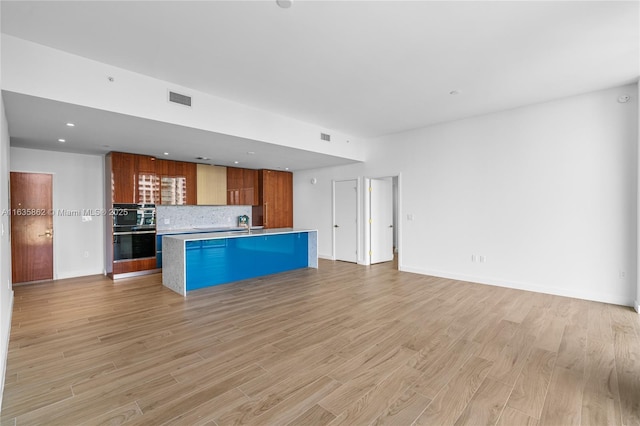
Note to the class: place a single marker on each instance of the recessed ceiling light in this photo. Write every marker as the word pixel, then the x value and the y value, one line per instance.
pixel 286 168
pixel 62 140
pixel 236 162
pixel 454 92
pixel 166 153
pixel 202 158
pixel 71 125
pixel 285 4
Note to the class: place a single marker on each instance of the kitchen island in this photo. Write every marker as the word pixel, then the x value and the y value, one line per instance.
pixel 193 261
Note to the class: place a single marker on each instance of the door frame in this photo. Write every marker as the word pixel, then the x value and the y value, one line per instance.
pixel 358 215
pixel 366 259
pixel 54 219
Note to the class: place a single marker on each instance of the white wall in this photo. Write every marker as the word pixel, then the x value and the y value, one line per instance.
pixel 37 70
pixel 547 193
pixel 6 292
pixel 77 185
pixel 637 302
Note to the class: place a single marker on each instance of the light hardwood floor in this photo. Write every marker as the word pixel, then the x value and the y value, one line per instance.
pixel 342 345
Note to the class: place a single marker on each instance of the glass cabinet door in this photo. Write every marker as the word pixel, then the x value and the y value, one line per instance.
pixel 173 190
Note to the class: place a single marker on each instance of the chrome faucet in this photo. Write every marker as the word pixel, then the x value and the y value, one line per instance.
pixel 246 225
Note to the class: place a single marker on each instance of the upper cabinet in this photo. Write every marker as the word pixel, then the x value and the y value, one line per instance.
pixel 177 181
pixel 242 186
pixel 146 180
pixel 275 206
pixel 133 178
pixel 212 185
pixel 120 171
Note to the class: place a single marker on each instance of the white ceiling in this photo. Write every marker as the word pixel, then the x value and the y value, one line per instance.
pixel 97 132
pixel 365 68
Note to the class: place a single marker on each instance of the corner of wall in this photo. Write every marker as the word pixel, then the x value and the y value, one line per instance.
pixel 6 292
pixel 5 346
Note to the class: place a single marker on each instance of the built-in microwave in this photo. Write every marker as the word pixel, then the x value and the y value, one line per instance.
pixel 129 217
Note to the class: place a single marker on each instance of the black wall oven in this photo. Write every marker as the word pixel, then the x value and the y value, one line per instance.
pixel 134 231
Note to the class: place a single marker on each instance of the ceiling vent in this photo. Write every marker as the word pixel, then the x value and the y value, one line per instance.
pixel 325 137
pixel 177 98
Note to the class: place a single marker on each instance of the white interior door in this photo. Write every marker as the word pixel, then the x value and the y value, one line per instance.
pixel 345 225
pixel 381 220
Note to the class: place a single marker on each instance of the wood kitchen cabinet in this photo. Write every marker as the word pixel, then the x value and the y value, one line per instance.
pixel 177 181
pixel 242 186
pixel 120 171
pixel 130 179
pixel 212 185
pixel 133 178
pixel 146 180
pixel 275 200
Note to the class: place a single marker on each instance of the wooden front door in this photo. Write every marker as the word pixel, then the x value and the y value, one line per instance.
pixel 31 227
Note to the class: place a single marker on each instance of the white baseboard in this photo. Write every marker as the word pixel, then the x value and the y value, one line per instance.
pixel 5 349
pixel 80 273
pixel 597 297
pixel 324 256
pixel 636 305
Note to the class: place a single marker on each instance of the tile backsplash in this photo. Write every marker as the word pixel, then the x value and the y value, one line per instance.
pixel 184 217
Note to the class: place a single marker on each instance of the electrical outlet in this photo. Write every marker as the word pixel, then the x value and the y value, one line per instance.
pixel 86 254
pixel 482 259
pixel 623 274
pixel 167 221
pixel 473 257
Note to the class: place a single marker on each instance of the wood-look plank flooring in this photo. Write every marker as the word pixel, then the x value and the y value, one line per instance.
pixel 341 345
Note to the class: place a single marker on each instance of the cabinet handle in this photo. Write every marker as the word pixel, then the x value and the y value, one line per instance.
pixel 266 209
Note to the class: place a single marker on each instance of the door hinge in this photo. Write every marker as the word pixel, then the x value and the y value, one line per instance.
pixel 370 220
pixel 370 189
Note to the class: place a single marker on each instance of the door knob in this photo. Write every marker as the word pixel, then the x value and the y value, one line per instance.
pixel 47 233
pixel 336 226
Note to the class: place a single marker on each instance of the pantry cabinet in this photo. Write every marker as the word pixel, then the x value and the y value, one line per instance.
pixel 275 199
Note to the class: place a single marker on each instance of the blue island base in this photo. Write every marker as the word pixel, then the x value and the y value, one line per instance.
pixel 220 261
pixel 195 261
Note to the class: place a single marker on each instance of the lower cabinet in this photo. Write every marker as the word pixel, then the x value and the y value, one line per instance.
pixel 219 261
pixel 135 265
pixel 159 251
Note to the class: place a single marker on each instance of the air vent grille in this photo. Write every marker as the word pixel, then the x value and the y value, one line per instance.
pixel 325 137
pixel 179 99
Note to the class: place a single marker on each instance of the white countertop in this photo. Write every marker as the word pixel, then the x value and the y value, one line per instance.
pixel 235 234
pixel 203 229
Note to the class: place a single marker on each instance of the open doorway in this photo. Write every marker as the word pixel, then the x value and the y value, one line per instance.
pixel 382 230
